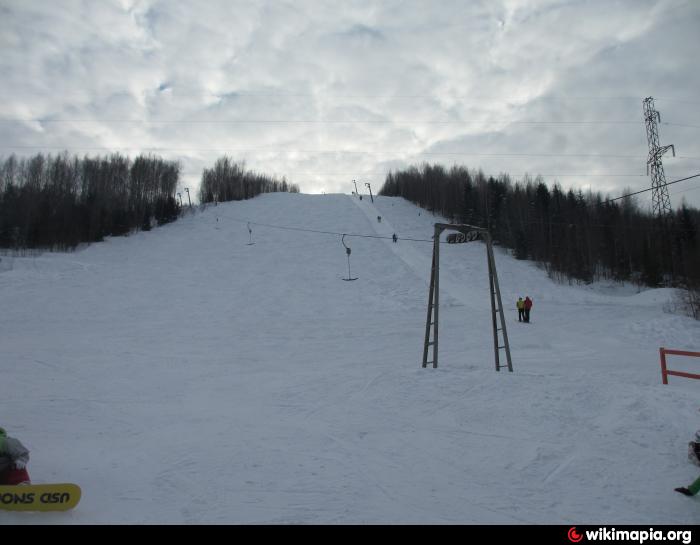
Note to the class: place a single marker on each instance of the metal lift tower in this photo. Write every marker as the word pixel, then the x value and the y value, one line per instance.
pixel 497 318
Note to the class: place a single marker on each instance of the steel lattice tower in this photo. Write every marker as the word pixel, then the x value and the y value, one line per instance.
pixel 661 202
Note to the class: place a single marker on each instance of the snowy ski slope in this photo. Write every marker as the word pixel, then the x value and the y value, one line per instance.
pixel 183 376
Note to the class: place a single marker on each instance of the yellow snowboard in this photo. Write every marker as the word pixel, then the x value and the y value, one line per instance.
pixel 39 497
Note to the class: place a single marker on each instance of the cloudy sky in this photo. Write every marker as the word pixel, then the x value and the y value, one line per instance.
pixel 324 92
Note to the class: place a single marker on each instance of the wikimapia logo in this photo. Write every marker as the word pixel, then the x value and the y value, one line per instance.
pixel 574 536
pixel 638 536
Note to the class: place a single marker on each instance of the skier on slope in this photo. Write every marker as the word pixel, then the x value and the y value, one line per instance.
pixel 13 460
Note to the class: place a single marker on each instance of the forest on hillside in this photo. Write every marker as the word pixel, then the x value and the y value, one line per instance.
pixel 60 201
pixel 229 180
pixel 575 236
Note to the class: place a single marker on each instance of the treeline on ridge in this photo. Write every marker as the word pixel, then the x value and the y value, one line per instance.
pixel 574 235
pixel 60 201
pixel 229 180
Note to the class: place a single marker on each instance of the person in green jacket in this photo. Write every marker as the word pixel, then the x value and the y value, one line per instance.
pixel 520 304
pixel 691 490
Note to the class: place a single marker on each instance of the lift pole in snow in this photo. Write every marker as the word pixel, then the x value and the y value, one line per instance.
pixel 370 191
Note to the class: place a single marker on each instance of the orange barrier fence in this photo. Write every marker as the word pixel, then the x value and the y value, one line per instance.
pixel 664 370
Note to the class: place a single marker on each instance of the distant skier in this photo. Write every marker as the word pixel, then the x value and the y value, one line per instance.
pixel 13 460
pixel 521 309
pixel 394 237
pixel 527 305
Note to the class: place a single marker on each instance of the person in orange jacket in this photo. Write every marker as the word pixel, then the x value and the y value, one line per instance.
pixel 527 305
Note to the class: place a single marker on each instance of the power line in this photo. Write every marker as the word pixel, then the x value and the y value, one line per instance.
pixel 381 172
pixel 650 188
pixel 312 121
pixel 681 125
pixel 168 93
pixel 686 190
pixel 600 225
pixel 327 151
pixel 334 151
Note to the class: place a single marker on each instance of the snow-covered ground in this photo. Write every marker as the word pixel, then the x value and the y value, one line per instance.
pixel 181 375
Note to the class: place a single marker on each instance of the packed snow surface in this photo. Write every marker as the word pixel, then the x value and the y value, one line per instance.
pixel 182 375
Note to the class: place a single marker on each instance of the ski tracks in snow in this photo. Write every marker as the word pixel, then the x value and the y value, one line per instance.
pixel 405 251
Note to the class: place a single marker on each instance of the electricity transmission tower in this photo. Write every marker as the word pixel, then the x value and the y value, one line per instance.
pixel 661 202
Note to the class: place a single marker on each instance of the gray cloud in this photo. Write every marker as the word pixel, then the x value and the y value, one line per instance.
pixel 326 92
